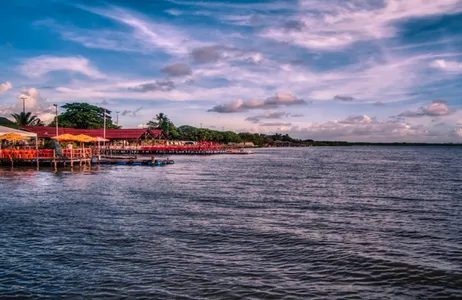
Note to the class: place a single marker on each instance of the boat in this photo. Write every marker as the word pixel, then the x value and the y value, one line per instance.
pixel 132 161
pixel 240 151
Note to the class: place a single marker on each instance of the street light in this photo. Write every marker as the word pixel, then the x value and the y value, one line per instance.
pixel 56 119
pixel 24 104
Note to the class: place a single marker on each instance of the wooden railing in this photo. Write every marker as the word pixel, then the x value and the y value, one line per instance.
pixel 45 153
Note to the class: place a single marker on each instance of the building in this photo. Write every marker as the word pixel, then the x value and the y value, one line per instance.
pixel 116 137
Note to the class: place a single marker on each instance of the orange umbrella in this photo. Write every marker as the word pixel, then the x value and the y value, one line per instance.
pixel 65 137
pixel 83 138
pixel 14 137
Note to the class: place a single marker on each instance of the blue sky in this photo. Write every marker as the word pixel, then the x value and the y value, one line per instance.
pixel 378 70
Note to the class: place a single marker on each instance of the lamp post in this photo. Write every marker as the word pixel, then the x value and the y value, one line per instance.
pixel 104 127
pixel 24 104
pixel 56 118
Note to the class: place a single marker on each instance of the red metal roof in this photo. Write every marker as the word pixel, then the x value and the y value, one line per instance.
pixel 112 134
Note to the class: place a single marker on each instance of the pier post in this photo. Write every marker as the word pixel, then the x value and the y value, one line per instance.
pixel 37 153
pixel 54 159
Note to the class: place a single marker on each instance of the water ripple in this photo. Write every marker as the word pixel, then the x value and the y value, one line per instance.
pixel 313 223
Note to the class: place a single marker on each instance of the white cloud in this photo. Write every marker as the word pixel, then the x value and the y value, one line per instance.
pixel 34 103
pixel 5 87
pixel 458 132
pixel 366 128
pixel 41 65
pixel 145 35
pixel 436 109
pixel 239 105
pixel 447 65
pixel 337 26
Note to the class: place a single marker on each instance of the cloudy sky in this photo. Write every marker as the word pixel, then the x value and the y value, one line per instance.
pixel 358 70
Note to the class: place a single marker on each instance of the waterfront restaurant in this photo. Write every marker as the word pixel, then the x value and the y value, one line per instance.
pixel 118 138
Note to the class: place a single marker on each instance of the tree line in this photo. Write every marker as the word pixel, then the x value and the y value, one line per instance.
pixel 87 116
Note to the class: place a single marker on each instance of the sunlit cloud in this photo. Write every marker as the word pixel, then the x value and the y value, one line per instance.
pixel 38 66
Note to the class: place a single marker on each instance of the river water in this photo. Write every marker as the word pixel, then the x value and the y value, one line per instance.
pixel 311 223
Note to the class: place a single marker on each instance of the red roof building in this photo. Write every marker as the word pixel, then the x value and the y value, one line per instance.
pixel 45 132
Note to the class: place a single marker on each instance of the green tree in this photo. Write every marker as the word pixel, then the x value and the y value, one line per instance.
pixel 84 116
pixel 27 119
pixel 160 122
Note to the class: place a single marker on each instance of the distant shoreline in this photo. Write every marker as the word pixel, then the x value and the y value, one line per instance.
pixel 337 144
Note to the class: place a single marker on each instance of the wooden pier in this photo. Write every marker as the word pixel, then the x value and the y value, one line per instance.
pixel 47 157
pixel 73 158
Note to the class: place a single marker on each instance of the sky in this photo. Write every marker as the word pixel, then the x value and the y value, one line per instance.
pixel 350 70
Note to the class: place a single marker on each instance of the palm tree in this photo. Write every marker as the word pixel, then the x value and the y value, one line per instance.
pixel 27 119
pixel 160 122
pixel 157 122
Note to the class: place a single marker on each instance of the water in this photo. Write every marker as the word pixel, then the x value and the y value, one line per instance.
pixel 313 223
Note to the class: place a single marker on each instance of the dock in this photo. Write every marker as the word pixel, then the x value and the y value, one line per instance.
pixel 74 158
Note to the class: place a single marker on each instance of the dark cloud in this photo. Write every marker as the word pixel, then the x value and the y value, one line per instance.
pixel 397 118
pixel 295 115
pixel 297 62
pixel 358 120
pixel 177 69
pixel 255 20
pixel 419 93
pixel 280 99
pixel 437 108
pixel 273 115
pixel 46 87
pixel 293 25
pixel 137 110
pixel 379 103
pixel 208 54
pixel 343 98
pixel 131 112
pixel 165 85
pixel 275 124
pixel 439 124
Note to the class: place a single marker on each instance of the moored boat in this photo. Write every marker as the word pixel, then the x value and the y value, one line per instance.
pixel 240 151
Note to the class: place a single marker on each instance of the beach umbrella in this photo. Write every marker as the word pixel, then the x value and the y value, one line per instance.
pixel 65 137
pixel 83 138
pixel 14 137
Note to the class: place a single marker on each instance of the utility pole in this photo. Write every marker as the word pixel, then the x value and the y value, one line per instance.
pixel 104 131
pixel 24 104
pixel 117 112
pixel 56 119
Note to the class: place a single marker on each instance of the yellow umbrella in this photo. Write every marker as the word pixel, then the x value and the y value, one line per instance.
pixel 65 137
pixel 14 137
pixel 83 138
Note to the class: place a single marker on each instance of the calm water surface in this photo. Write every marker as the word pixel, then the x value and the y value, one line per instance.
pixel 313 223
